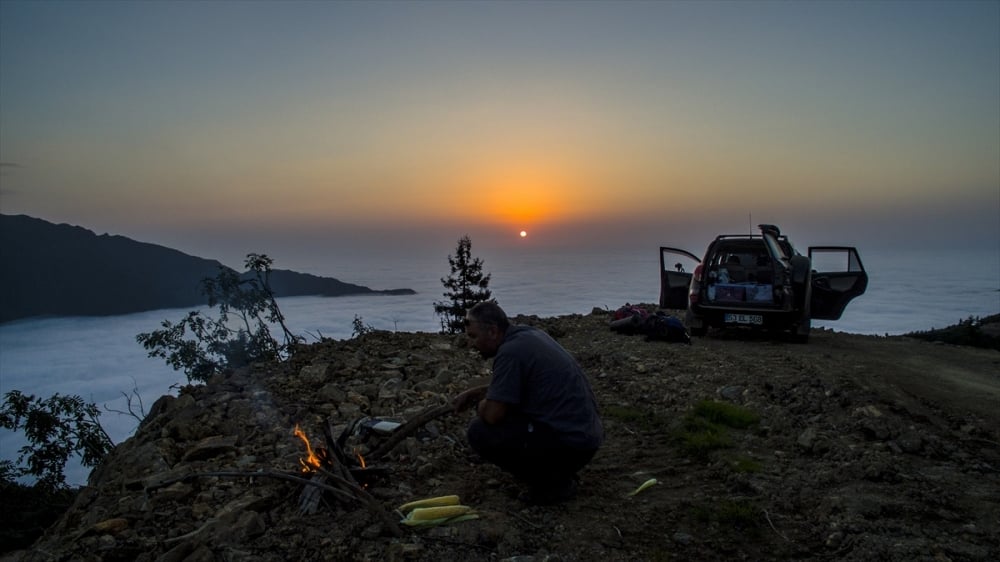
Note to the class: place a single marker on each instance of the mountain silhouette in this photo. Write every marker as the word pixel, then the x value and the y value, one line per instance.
pixel 51 269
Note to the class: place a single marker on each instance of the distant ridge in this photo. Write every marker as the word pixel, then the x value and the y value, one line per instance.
pixel 287 283
pixel 49 269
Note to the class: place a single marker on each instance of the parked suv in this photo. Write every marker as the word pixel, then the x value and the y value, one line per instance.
pixel 761 281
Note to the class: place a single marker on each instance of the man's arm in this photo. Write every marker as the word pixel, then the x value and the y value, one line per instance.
pixel 469 398
pixel 490 411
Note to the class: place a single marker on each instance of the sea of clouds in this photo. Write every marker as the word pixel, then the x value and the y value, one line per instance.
pixel 98 357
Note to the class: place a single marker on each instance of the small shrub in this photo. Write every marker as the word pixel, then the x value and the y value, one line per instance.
pixel 28 511
pixel 57 428
pixel 967 332
pixel 359 328
pixel 240 335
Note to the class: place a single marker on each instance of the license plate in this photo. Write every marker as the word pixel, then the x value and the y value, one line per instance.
pixel 755 319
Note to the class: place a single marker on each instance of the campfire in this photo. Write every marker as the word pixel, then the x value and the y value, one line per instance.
pixel 333 458
pixel 352 474
pixel 327 473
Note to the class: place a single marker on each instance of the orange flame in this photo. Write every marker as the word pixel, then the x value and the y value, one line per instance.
pixel 311 462
pixel 361 459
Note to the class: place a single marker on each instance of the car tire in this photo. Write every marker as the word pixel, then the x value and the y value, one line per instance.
pixel 696 325
pixel 800 331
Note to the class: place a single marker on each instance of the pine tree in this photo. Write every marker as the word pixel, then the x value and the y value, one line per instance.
pixel 465 287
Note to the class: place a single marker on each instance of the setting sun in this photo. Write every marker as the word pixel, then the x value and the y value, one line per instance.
pixel 524 233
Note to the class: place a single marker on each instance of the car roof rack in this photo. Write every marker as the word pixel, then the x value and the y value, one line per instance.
pixel 744 236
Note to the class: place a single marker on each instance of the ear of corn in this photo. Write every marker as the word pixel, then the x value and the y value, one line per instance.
pixel 423 522
pixel 429 502
pixel 435 511
pixel 644 485
pixel 444 511
pixel 439 521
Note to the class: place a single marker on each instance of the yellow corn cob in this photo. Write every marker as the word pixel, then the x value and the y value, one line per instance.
pixel 423 522
pixel 441 512
pixel 441 520
pixel 429 502
pixel 646 484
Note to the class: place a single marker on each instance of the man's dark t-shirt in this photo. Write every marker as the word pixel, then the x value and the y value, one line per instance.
pixel 545 383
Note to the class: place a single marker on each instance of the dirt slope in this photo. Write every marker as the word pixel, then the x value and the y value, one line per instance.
pixel 865 448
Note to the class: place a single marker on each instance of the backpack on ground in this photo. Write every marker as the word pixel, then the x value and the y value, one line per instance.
pixel 629 319
pixel 633 320
pixel 663 327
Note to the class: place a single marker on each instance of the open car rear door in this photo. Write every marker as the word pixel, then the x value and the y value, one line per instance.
pixel 838 276
pixel 674 281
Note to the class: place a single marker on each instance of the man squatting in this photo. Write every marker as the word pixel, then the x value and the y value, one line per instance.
pixel 537 419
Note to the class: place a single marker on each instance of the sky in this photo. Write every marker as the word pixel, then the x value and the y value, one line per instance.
pixel 222 128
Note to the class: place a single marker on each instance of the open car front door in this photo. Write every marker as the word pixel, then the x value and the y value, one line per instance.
pixel 838 276
pixel 674 281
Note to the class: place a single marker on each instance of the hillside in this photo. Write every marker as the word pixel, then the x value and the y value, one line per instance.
pixel 866 448
pixel 62 270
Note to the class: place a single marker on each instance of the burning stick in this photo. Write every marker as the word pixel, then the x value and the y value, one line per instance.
pixel 339 474
pixel 409 428
pixel 311 495
pixel 313 464
pixel 368 501
pixel 312 461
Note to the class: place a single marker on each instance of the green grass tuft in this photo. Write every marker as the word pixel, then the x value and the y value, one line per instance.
pixel 698 436
pixel 641 419
pixel 746 465
pixel 738 514
pixel 726 414
pixel 705 428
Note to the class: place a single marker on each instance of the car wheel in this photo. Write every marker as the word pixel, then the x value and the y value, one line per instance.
pixel 800 333
pixel 695 324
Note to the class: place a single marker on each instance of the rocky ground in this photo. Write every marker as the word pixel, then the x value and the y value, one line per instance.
pixel 847 448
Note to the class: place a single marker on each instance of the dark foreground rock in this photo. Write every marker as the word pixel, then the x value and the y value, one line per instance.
pixel 866 448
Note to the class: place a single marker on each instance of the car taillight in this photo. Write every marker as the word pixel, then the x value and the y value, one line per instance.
pixel 695 286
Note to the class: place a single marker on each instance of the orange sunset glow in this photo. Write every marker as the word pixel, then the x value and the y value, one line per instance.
pixel 600 122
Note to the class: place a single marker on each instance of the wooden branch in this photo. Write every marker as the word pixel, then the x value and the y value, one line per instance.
pixel 364 497
pixel 310 496
pixel 355 494
pixel 409 428
pixel 244 474
pixel 775 529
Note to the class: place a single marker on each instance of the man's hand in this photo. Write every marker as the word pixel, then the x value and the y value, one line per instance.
pixel 469 398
